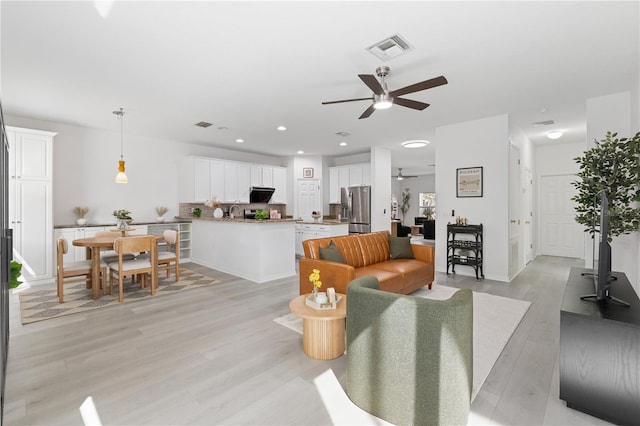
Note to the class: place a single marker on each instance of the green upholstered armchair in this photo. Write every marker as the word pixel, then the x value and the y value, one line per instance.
pixel 409 359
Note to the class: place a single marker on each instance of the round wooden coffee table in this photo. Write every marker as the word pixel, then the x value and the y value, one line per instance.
pixel 322 330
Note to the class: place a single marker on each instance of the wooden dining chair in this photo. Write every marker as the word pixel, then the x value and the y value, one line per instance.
pixel 143 266
pixel 110 255
pixel 167 257
pixel 74 269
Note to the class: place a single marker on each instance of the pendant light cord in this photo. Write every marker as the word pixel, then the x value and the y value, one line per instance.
pixel 121 133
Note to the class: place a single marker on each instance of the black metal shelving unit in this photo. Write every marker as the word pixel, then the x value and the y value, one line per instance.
pixel 473 244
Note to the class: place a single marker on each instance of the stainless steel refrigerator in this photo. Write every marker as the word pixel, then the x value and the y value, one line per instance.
pixel 356 208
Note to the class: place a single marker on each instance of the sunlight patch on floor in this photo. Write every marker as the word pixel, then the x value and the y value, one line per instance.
pixel 89 413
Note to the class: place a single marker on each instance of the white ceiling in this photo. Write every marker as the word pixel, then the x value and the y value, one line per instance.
pixel 251 66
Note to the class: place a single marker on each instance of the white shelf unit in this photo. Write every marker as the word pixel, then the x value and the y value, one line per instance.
pixel 185 236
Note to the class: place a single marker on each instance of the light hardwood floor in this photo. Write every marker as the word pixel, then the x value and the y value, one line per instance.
pixel 215 356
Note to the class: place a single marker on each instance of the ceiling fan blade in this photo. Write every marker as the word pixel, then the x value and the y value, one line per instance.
pixel 372 82
pixel 348 100
pixel 367 112
pixel 423 85
pixel 410 104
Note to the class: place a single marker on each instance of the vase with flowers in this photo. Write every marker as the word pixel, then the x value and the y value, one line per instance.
pixel 213 203
pixel 160 212
pixel 314 278
pixel 81 212
pixel 123 217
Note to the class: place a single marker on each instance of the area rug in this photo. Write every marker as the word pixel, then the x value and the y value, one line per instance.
pixel 41 304
pixel 495 318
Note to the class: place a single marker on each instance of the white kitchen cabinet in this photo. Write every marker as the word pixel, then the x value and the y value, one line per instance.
pixel 30 201
pixel 307 231
pixel 231 194
pixel 236 182
pixel 217 180
pixel 334 185
pixel 280 185
pixel 201 179
pixel 230 181
pixel 244 183
pixel 346 176
pixel 74 253
pixel 261 176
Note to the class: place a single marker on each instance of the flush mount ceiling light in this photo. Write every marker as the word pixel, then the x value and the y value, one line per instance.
pixel 282 128
pixel 415 144
pixel 554 134
pixel 121 177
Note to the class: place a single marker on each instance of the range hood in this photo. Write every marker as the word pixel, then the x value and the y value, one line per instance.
pixel 260 194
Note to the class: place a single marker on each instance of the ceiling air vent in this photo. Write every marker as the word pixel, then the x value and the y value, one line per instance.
pixel 543 123
pixel 390 47
pixel 203 124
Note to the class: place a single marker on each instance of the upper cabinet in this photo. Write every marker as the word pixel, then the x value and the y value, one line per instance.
pixel 230 181
pixel 345 176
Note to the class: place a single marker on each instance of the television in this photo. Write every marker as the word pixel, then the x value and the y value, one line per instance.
pixel 602 277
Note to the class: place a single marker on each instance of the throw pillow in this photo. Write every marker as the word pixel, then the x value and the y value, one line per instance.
pixel 331 253
pixel 400 248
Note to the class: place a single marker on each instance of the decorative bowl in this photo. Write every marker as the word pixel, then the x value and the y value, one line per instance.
pixel 316 216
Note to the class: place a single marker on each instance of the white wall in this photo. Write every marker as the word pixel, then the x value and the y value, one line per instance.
pixel 483 143
pixel 85 165
pixel 381 195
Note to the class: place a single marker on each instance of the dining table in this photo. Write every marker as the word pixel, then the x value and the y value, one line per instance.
pixel 94 245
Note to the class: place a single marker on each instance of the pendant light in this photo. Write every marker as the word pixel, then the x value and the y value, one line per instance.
pixel 121 177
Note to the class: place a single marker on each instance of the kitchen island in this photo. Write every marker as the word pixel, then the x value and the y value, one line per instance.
pixel 258 251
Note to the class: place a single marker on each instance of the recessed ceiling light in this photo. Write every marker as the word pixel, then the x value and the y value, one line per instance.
pixel 282 128
pixel 555 134
pixel 240 140
pixel 300 152
pixel 343 144
pixel 415 144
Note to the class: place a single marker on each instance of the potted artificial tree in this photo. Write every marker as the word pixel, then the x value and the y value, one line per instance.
pixel 405 203
pixel 612 165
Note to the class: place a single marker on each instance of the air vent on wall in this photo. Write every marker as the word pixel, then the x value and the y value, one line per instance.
pixel 203 124
pixel 543 123
pixel 390 47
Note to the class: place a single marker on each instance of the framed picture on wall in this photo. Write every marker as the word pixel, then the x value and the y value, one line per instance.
pixel 307 172
pixel 469 182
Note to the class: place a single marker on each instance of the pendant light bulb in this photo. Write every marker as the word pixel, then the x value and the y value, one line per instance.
pixel 121 177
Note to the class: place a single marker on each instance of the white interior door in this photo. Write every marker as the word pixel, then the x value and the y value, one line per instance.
pixel 515 212
pixel 308 198
pixel 560 234
pixel 527 189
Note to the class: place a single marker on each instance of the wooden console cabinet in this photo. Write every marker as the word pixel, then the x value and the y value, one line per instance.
pixel 600 350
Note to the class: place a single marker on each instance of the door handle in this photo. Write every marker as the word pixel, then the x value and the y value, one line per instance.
pixel 527 222
pixel 513 221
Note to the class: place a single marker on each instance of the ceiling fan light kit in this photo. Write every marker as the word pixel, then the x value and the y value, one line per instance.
pixel 382 98
pixel 400 176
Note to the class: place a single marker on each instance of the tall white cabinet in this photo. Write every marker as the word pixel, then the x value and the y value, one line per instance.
pixel 31 200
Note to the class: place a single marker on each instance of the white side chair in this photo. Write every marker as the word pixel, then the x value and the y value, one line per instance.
pixel 74 269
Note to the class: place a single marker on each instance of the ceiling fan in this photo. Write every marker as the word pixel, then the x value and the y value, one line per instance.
pixel 400 176
pixel 383 98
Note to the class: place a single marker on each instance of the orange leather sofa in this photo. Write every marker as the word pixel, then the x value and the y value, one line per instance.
pixel 366 254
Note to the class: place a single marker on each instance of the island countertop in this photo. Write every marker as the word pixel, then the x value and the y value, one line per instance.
pixel 239 220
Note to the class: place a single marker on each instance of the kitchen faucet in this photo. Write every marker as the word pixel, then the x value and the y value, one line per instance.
pixel 231 215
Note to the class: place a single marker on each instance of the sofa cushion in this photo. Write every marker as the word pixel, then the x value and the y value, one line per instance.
pixel 374 247
pixel 400 248
pixel 409 270
pixel 389 280
pixel 331 253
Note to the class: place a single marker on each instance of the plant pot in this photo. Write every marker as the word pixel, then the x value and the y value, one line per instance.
pixel 122 224
pixel 160 219
pixel 81 221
